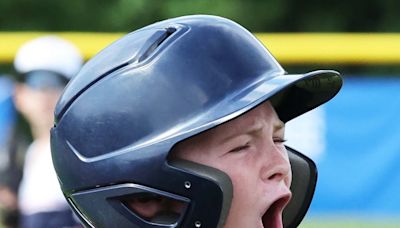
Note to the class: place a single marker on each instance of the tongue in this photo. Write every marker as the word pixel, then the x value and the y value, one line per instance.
pixel 273 216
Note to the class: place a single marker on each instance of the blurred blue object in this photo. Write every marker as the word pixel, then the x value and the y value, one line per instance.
pixel 359 172
pixel 7 115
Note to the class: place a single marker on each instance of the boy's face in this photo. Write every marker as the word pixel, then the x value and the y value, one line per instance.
pixel 250 150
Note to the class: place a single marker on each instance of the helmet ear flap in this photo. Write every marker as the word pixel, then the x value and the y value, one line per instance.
pixel 304 179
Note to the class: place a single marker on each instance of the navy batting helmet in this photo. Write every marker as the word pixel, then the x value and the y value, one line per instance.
pixel 119 118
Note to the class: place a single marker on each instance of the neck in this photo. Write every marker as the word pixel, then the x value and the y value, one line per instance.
pixel 41 133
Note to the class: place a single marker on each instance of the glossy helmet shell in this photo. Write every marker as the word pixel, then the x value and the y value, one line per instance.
pixel 119 118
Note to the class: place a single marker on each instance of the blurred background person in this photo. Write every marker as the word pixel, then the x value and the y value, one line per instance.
pixel 44 65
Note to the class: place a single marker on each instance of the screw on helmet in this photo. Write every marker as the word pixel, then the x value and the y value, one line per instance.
pixel 118 120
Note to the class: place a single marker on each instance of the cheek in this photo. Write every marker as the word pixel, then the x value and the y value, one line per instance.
pixel 246 198
pixel 245 185
pixel 243 188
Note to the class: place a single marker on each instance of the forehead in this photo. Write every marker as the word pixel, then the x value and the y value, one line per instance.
pixel 262 115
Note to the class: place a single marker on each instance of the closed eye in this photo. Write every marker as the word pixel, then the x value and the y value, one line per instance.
pixel 279 140
pixel 240 148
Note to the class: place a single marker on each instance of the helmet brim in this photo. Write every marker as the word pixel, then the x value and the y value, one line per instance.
pixel 290 94
pixel 302 95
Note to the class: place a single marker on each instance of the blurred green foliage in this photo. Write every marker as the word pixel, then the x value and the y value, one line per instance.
pixel 256 15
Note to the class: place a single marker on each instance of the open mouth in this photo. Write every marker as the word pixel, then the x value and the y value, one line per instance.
pixel 272 218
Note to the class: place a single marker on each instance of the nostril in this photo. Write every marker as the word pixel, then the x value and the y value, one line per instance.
pixel 276 173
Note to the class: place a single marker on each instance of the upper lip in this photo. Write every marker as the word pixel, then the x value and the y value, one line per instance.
pixel 282 199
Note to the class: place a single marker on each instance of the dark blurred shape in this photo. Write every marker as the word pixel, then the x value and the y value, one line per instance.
pixel 257 16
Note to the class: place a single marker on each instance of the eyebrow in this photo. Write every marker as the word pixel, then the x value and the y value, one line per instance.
pixel 253 129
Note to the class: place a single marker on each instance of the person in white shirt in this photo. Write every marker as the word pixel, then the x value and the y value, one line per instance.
pixel 44 65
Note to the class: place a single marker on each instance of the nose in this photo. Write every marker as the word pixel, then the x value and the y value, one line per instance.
pixel 275 165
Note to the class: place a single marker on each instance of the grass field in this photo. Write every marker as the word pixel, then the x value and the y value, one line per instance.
pixel 350 223
pixel 343 222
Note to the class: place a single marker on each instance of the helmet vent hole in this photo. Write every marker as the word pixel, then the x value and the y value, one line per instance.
pixel 155 208
pixel 166 33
